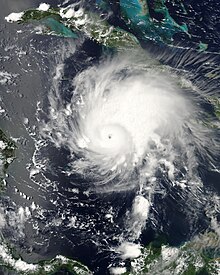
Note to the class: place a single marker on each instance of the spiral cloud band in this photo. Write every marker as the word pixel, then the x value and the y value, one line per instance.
pixel 125 119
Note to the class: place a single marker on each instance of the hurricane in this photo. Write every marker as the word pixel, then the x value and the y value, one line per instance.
pixel 109 139
pixel 125 121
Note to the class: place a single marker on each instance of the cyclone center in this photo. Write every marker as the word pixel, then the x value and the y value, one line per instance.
pixel 114 138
